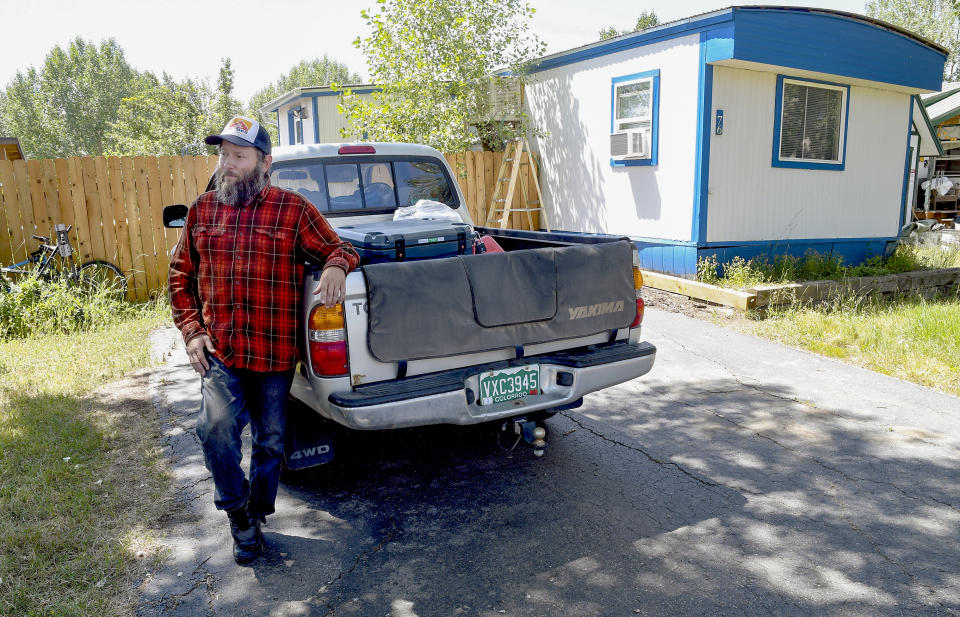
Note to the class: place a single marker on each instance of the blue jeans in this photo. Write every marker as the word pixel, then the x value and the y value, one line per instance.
pixel 230 399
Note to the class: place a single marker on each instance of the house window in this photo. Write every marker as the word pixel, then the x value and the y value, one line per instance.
pixel 298 125
pixel 634 119
pixel 810 124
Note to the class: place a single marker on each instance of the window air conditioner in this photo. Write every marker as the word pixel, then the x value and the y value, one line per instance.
pixel 628 144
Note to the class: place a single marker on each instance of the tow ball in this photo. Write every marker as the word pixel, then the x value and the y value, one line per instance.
pixel 528 431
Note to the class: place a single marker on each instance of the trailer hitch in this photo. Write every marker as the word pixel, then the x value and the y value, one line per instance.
pixel 528 431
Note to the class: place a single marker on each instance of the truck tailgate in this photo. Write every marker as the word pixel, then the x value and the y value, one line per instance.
pixel 470 304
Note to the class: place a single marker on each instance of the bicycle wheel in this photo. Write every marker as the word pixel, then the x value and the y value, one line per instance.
pixel 98 275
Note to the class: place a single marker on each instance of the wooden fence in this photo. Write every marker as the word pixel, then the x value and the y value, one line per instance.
pixel 115 205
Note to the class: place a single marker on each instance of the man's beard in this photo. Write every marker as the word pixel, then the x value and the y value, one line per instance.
pixel 237 191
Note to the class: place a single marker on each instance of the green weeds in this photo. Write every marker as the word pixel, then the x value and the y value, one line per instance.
pixel 742 273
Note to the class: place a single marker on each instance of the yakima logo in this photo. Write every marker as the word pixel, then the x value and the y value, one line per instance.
pixel 594 310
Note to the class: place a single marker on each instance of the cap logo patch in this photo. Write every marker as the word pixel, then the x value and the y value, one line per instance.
pixel 242 127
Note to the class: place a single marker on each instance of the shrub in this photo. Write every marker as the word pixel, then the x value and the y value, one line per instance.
pixel 34 306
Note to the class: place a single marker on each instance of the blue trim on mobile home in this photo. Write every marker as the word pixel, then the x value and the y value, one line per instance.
pixel 675 259
pixel 290 129
pixel 778 118
pixel 701 174
pixel 906 168
pixel 654 117
pixel 836 44
pixel 627 42
pixel 316 120
pixel 820 40
pixel 680 258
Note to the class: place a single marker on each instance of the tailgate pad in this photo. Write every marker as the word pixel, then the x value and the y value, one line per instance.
pixel 466 304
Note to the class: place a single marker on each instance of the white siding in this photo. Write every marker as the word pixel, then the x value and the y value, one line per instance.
pixel 581 190
pixel 750 199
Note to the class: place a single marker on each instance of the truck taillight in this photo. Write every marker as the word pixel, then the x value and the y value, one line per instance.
pixel 328 341
pixel 637 285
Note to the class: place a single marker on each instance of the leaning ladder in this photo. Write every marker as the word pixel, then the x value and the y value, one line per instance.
pixel 503 205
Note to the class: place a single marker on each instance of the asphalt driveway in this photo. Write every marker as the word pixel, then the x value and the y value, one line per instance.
pixel 739 477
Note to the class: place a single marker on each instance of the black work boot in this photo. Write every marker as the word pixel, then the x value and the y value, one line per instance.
pixel 247 539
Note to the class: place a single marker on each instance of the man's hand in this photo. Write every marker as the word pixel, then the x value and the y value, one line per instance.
pixel 332 286
pixel 196 352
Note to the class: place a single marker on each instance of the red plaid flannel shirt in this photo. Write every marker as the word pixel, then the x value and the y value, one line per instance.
pixel 237 273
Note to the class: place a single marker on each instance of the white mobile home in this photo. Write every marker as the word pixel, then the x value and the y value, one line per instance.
pixel 310 115
pixel 742 131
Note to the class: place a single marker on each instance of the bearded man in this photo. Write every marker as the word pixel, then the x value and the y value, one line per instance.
pixel 235 284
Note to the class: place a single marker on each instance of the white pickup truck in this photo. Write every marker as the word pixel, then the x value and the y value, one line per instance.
pixel 465 339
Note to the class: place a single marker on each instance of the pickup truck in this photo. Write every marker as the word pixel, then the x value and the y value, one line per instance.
pixel 512 336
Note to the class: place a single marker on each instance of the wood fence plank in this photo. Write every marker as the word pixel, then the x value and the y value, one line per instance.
pixel 5 252
pixel 108 215
pixel 189 181
pixel 489 182
pixel 471 179
pixel 26 204
pixel 93 212
pixel 51 192
pixel 146 224
pixel 480 180
pixel 137 253
pixel 176 173
pixel 13 234
pixel 62 167
pixel 41 217
pixel 156 178
pixel 200 172
pixel 212 162
pixel 124 260
pixel 172 193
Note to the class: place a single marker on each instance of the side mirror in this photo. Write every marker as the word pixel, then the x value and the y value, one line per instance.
pixel 175 216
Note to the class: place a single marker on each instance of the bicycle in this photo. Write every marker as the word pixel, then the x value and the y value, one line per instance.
pixel 51 261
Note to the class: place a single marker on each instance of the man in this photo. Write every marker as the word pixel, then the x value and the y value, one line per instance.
pixel 235 283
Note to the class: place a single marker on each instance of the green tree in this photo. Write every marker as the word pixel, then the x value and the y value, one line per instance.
pixel 64 109
pixel 433 61
pixel 317 72
pixel 226 106
pixel 165 117
pixel 936 20
pixel 647 19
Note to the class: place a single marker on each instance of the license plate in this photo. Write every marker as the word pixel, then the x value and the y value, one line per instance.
pixel 509 384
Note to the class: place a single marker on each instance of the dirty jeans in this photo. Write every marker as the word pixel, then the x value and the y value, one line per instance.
pixel 230 399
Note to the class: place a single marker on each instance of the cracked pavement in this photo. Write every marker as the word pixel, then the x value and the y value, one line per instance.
pixel 739 477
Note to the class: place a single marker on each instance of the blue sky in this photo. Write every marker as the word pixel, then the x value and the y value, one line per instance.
pixel 187 38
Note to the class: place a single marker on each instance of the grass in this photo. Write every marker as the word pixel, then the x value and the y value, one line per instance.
pixel 81 476
pixel 907 337
pixel 741 273
pixel 911 338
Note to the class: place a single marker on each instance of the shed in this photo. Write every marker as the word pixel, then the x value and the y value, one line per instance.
pixel 309 115
pixel 744 131
pixel 10 149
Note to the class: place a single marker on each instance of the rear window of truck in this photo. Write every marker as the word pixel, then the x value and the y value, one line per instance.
pixel 365 184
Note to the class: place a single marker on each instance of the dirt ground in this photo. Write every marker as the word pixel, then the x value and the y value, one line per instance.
pixel 699 309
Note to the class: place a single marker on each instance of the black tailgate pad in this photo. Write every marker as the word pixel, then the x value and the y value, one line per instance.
pixel 466 304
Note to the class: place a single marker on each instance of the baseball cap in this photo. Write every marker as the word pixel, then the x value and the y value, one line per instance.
pixel 242 131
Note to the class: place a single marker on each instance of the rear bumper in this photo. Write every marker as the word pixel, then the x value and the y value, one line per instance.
pixel 450 397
